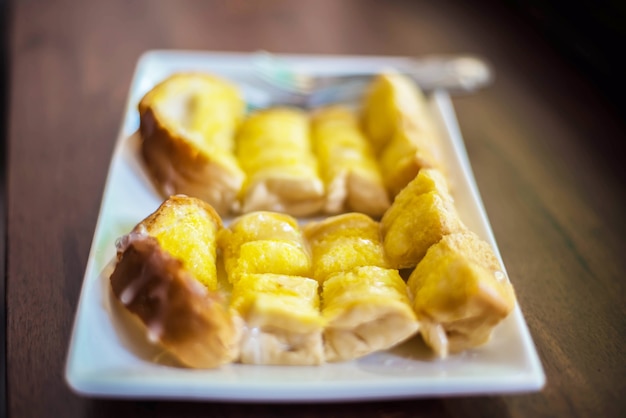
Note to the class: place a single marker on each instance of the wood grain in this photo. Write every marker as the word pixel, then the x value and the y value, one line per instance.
pixel 542 142
pixel 4 85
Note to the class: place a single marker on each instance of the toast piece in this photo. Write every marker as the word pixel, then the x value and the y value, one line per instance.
pixel 399 125
pixel 274 149
pixel 187 228
pixel 165 275
pixel 343 242
pixel 187 125
pixel 266 259
pixel 367 309
pixel 410 150
pixel 347 164
pixel 391 98
pixel 460 293
pixel 283 325
pixel 264 242
pixel 364 303
pixel 421 214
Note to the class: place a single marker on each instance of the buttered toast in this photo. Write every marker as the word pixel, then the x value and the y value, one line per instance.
pixel 274 148
pixel 326 214
pixel 166 275
pixel 347 163
pixel 187 126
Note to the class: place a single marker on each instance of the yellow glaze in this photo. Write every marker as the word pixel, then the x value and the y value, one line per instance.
pixel 369 286
pixel 422 213
pixel 347 163
pixel 187 228
pixel 273 300
pixel 461 288
pixel 187 124
pixel 264 242
pixel 343 242
pixel 397 121
pixel 274 149
pixel 204 108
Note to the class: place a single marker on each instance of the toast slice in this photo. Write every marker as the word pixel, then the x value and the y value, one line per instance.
pixel 264 242
pixel 366 309
pixel 187 125
pixel 421 214
pixel 343 242
pixel 166 276
pixel 348 166
pixel 365 304
pixel 461 293
pixel 283 324
pixel 274 149
pixel 397 120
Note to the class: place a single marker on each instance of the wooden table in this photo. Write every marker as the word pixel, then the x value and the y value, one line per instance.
pixel 542 142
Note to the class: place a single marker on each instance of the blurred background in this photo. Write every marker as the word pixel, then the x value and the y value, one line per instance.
pixel 544 141
pixel 590 35
pixel 541 38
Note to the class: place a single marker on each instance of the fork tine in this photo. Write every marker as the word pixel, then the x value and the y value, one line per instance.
pixel 277 73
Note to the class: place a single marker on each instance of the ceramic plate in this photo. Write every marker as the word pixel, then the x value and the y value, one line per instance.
pixel 105 360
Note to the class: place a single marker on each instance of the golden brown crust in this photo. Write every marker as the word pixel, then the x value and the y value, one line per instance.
pixel 177 167
pixel 153 221
pixel 187 228
pixel 177 162
pixel 178 312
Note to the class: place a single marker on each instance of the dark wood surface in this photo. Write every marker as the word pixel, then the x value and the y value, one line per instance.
pixel 3 130
pixel 545 145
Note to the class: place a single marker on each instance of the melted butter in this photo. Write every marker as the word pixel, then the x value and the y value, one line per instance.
pixel 435 336
pixel 130 292
pixel 155 331
pixel 252 345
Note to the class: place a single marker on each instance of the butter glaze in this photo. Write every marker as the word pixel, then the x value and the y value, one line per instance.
pixel 178 313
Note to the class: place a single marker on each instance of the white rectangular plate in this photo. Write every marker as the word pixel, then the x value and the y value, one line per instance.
pixel 104 362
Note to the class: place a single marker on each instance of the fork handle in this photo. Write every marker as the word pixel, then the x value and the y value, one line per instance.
pixel 454 74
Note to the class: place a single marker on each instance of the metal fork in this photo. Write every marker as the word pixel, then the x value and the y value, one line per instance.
pixel 456 74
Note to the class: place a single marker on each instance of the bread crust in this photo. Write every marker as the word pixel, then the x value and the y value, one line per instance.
pixel 178 312
pixel 177 163
pixel 166 276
